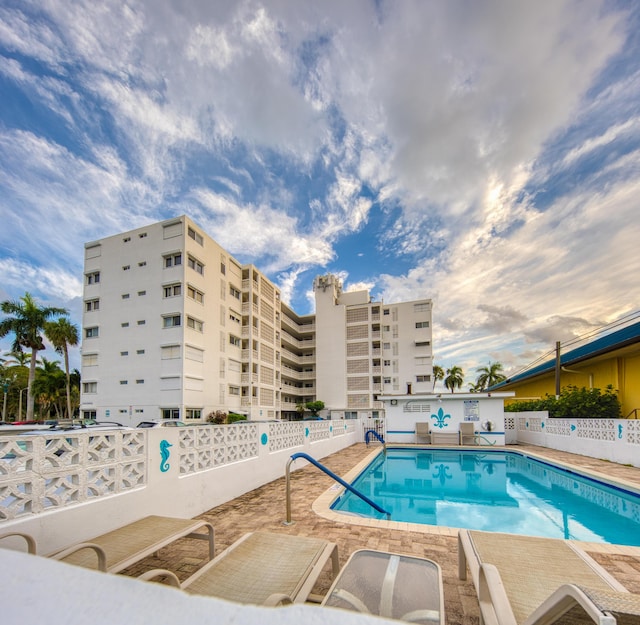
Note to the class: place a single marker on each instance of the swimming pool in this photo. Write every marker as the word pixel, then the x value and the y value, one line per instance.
pixel 492 490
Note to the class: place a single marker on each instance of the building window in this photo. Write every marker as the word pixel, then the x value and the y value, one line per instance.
pixel 171 321
pixel 234 340
pixel 89 387
pixel 91 333
pixel 385 311
pixel 234 292
pixel 142 263
pixel 126 267
pixel 223 269
pixel 141 293
pixel 91 305
pixel 89 414
pixel 386 346
pixel 142 235
pixel 89 360
pixel 124 381
pixel 234 390
pixel 140 351
pixel 195 236
pixel 418 308
pixel 124 353
pixel 125 296
pixel 386 380
pixel 125 324
pixel 168 352
pixel 192 413
pixel 196 265
pixel 195 324
pixel 423 343
pixel 172 290
pixel 234 317
pixel 172 260
pixel 194 294
pixel 93 277
pixel 141 322
pixel 126 239
pixel 423 378
pixel 422 324
pixel 139 381
pixel 170 413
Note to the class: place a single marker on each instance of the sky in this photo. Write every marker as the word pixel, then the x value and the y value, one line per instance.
pixel 484 154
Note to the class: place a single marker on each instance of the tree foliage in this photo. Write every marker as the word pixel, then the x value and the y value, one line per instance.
pixel 575 402
pixel 314 407
pixel 488 376
pixel 454 379
pixel 25 319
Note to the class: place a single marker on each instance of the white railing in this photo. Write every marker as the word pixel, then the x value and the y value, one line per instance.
pixel 617 440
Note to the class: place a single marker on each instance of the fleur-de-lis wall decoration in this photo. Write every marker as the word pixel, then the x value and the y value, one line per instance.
pixel 439 419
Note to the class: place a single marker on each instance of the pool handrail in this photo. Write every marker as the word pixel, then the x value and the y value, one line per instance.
pixel 366 437
pixel 332 475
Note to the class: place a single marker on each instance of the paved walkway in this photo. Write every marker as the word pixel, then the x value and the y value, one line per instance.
pixel 265 509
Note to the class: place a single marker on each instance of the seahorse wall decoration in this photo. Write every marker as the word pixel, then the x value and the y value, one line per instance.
pixel 165 453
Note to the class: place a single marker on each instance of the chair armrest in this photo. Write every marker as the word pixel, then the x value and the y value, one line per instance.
pixel 31 543
pixel 492 597
pixel 102 556
pixel 170 578
pixel 276 599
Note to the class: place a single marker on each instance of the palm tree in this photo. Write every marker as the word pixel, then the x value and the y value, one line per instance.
pixel 62 334
pixel 25 319
pixel 438 374
pixel 454 379
pixel 489 376
pixel 48 388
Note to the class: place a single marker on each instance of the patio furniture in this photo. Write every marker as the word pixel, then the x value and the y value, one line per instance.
pixel 120 548
pixel 401 587
pixel 526 580
pixel 423 432
pixel 467 433
pixel 261 568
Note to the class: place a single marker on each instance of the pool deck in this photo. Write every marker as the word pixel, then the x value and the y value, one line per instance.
pixel 311 492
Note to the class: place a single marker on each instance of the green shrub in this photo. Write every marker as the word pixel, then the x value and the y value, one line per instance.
pixel 234 416
pixel 575 402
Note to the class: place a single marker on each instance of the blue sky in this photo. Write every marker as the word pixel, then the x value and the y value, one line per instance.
pixel 485 155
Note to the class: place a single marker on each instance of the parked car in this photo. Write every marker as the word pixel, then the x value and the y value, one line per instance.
pixel 161 424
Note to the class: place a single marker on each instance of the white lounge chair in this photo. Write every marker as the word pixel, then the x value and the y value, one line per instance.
pixel 261 568
pixel 391 585
pixel 525 580
pixel 423 432
pixel 116 550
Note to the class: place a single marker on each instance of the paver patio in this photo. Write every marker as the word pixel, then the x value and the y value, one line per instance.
pixel 265 508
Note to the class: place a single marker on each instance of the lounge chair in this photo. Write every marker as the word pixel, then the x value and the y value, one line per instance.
pixel 467 433
pixel 261 568
pixel 391 585
pixel 114 551
pixel 423 432
pixel 525 580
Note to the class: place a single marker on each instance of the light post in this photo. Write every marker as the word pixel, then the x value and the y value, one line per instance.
pixel 20 408
pixel 5 388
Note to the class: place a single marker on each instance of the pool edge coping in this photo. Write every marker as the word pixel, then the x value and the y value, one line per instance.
pixel 322 505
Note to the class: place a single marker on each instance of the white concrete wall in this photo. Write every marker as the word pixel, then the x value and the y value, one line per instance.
pixel 241 458
pixel 444 413
pixel 47 591
pixel 616 440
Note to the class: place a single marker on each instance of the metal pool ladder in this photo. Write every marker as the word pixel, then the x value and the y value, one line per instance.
pixel 332 475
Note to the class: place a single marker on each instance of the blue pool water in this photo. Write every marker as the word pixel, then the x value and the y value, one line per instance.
pixel 494 491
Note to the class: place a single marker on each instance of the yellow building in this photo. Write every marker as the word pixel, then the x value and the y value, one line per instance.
pixel 613 359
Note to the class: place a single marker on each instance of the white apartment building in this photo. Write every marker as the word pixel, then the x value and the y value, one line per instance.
pixel 367 348
pixel 175 328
